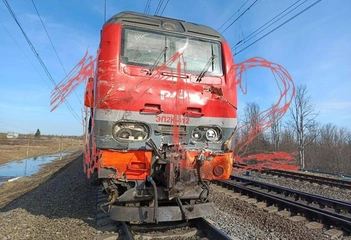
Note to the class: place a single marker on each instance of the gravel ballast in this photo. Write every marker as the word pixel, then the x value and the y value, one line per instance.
pixel 63 207
pixel 240 219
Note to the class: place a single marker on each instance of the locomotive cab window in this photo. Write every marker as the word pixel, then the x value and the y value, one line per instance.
pixel 147 48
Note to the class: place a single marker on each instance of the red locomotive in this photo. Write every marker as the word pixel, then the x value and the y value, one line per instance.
pixel 162 117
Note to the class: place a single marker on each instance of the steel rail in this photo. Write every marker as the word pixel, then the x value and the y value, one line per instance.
pixel 343 184
pixel 293 200
pixel 200 224
pixel 126 233
pixel 211 231
pixel 324 172
pixel 337 205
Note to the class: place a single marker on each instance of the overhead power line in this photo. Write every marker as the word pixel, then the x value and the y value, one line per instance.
pixel 105 11
pixel 25 54
pixel 232 15
pixel 164 8
pixel 158 7
pixel 53 47
pixel 274 29
pixel 47 34
pixel 147 7
pixel 38 57
pixel 15 126
pixel 264 26
pixel 240 16
pixel 5 129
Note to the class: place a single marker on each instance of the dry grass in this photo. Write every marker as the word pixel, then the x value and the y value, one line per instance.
pixel 28 146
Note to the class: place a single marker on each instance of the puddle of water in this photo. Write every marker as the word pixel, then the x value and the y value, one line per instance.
pixel 25 167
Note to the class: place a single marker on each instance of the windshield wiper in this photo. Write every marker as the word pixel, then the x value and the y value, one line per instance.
pixel 207 66
pixel 153 67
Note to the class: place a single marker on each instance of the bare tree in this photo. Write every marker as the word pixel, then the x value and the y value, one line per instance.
pixel 287 143
pixel 347 153
pixel 303 114
pixel 253 129
pixel 275 131
pixel 251 116
pixel 330 151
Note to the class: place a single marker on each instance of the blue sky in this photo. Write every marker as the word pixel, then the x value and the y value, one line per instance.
pixel 314 47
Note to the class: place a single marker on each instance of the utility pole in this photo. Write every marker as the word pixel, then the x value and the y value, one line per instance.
pixel 61 147
pixel 25 166
pixel 28 136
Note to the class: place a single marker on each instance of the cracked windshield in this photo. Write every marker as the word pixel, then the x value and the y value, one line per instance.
pixel 148 48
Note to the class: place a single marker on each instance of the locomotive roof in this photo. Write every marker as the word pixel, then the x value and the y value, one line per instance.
pixel 163 24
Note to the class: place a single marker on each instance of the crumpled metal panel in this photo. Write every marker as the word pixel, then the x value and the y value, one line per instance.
pixel 164 214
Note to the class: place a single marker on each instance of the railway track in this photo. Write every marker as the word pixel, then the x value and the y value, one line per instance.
pixel 332 213
pixel 193 229
pixel 334 182
pixel 199 228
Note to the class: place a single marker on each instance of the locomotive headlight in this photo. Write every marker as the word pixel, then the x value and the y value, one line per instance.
pixel 140 136
pixel 206 133
pixel 124 134
pixel 196 135
pixel 211 135
pixel 130 131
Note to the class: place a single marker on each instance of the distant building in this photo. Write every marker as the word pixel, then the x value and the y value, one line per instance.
pixel 12 135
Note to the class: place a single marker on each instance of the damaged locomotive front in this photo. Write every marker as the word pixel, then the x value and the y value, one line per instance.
pixel 163 116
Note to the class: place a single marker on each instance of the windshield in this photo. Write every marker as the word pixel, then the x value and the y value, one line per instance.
pixel 148 48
